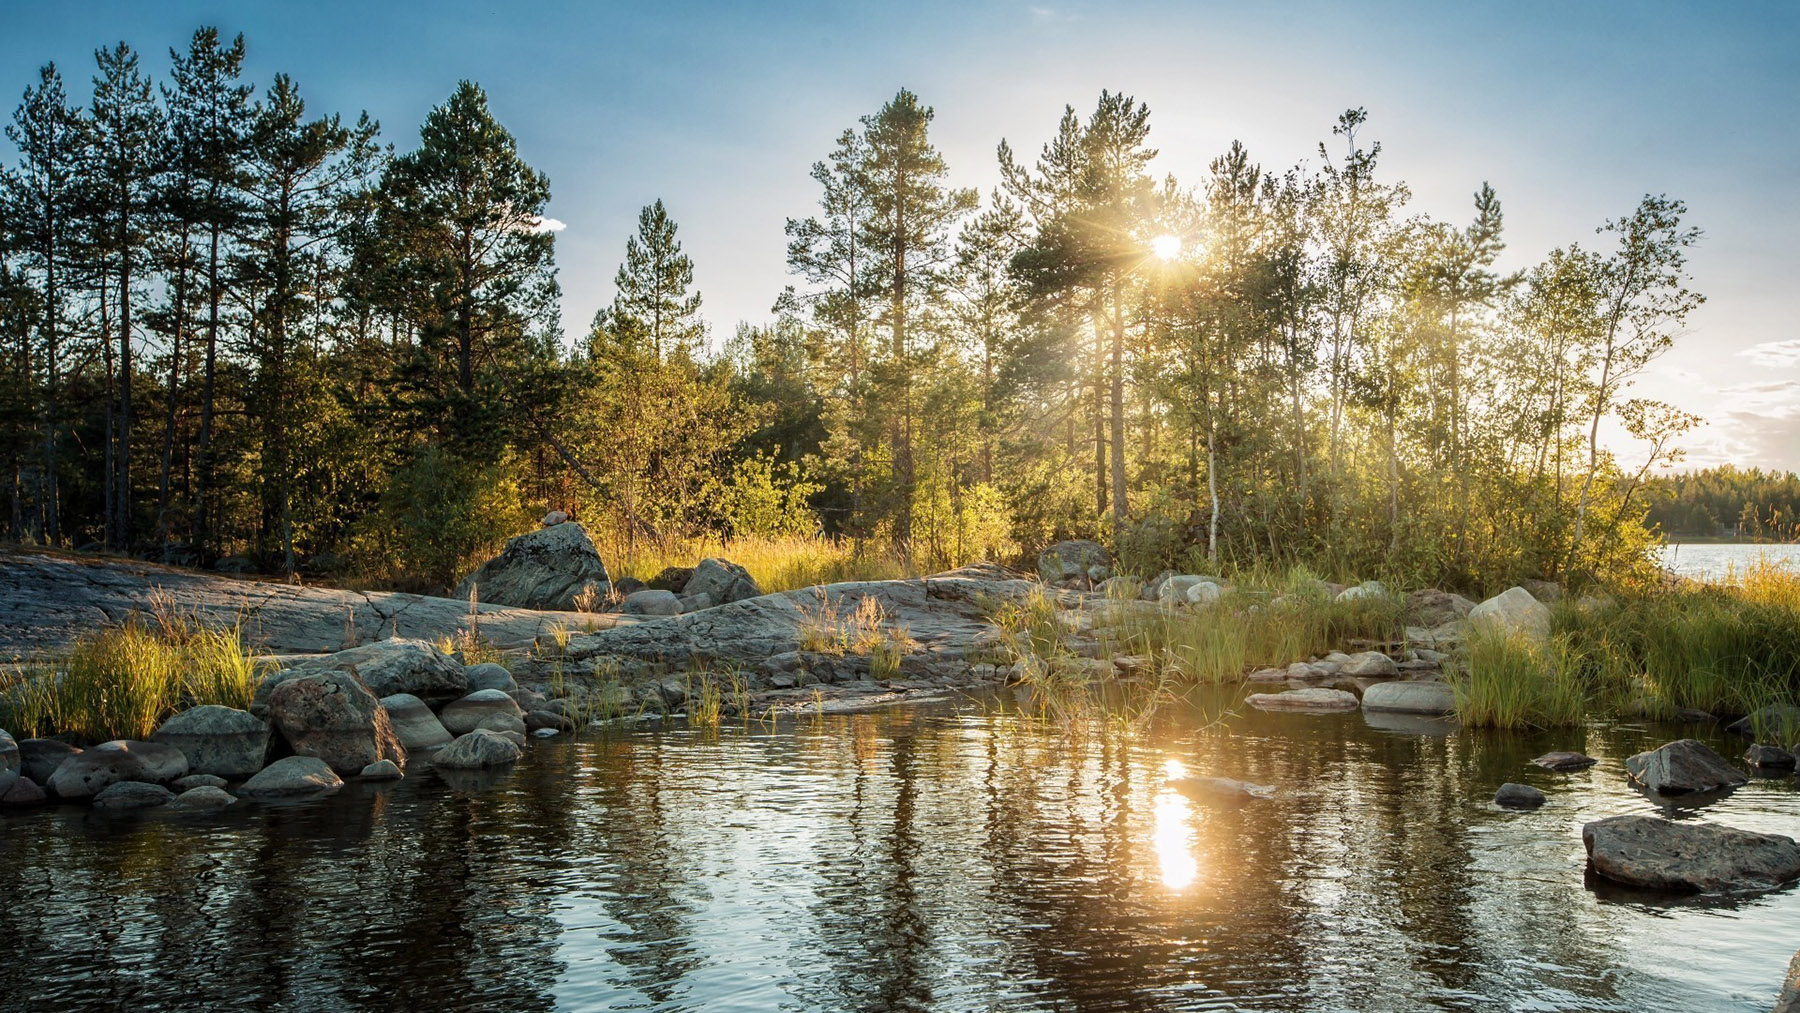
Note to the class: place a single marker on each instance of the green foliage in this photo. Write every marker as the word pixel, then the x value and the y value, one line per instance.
pixel 440 517
pixel 766 498
pixel 1515 681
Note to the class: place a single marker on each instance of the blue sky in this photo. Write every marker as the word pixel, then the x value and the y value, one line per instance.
pixel 1571 111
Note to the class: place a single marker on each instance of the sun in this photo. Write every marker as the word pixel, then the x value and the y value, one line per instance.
pixel 1166 247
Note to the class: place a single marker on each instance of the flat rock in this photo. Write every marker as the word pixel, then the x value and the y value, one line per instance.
pixel 550 568
pixel 1518 796
pixel 467 714
pixel 39 758
pixel 1312 700
pixel 87 773
pixel 1565 761
pixel 132 795
pixel 1659 854
pixel 217 740
pixel 1513 611
pixel 1682 766
pixel 1410 697
pixel 334 716
pixel 414 723
pixel 293 776
pixel 1772 758
pixel 478 750
pixel 202 798
pixel 394 666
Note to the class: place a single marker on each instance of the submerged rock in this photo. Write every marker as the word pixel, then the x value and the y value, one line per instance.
pixel 1770 758
pixel 133 795
pixel 1315 700
pixel 382 770
pixel 414 724
pixel 217 740
pixel 1518 796
pixel 1216 789
pixel 1682 766
pixel 293 776
pixel 192 781
pixel 202 798
pixel 478 750
pixel 549 568
pixel 87 773
pixel 1659 854
pixel 1564 761
pixel 333 716
pixel 1513 611
pixel 1410 697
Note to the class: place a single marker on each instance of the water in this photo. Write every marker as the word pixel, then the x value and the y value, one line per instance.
pixel 926 859
pixel 1713 560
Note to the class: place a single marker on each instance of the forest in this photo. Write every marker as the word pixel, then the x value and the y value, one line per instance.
pixel 1744 504
pixel 238 330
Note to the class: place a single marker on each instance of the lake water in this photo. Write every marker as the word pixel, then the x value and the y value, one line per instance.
pixel 934 858
pixel 1714 560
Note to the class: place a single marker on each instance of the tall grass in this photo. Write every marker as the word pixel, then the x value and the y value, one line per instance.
pixel 123 681
pixel 1516 681
pixel 776 563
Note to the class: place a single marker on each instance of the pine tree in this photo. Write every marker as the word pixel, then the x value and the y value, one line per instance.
pixel 653 285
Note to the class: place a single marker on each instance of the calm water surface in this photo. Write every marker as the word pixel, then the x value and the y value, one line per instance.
pixel 925 859
pixel 1713 560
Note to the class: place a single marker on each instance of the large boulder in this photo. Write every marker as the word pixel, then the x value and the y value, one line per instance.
pixel 722 581
pixel 1370 665
pixel 23 791
pixel 1513 611
pixel 471 711
pixel 1682 766
pixel 1320 701
pixel 549 568
pixel 1410 698
pixel 478 750
pixel 224 741
pixel 414 723
pixel 400 666
pixel 39 758
pixel 488 675
pixel 334 717
pixel 1659 854
pixel 133 795
pixel 1076 562
pixel 293 776
pixel 87 773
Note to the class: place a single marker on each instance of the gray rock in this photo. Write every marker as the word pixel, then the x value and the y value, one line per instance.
pixel 87 773
pixel 1368 590
pixel 1513 611
pixel 651 603
pixel 1682 766
pixel 537 721
pixel 1659 854
pixel 23 791
pixel 293 776
pixel 1078 561
pixel 132 795
pixel 554 518
pixel 1518 796
pixel 414 724
pixel 1772 758
pixel 7 779
pixel 721 580
pixel 1314 700
pixel 1220 789
pixel 544 733
pixel 217 740
pixel 333 716
pixel 1371 665
pixel 1430 607
pixel 202 798
pixel 1173 588
pixel 1204 593
pixel 1120 587
pixel 192 781
pixel 504 723
pixel 9 752
pixel 382 770
pixel 39 758
pixel 488 675
pixel 1565 761
pixel 399 666
pixel 467 714
pixel 1789 999
pixel 1410 697
pixel 696 602
pixel 478 750
pixel 549 568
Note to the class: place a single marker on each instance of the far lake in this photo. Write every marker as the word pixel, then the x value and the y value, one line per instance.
pixel 1713 560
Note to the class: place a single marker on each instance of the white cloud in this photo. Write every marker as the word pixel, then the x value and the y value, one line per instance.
pixel 548 225
pixel 1774 353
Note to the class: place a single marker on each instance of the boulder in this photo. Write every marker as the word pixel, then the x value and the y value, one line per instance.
pixel 1368 590
pixel 651 603
pixel 487 675
pixel 1659 854
pixel 293 776
pixel 1204 593
pixel 1410 698
pixel 382 770
pixel 9 752
pixel 414 724
pixel 400 666
pixel 537 721
pixel 1371 665
pixel 549 568
pixel 1518 796
pixel 1078 561
pixel 696 602
pixel 1769 758
pixel 39 758
pixel 217 740
pixel 334 716
pixel 478 750
pixel 1430 607
pixel 192 781
pixel 506 724
pixel 1682 766
pixel 203 798
pixel 1220 789
pixel 467 714
pixel 87 773
pixel 1513 611
pixel 1789 999
pixel 1565 761
pixel 721 580
pixel 672 578
pixel 1314 700
pixel 132 795
pixel 24 791
pixel 553 518
pixel 1173 589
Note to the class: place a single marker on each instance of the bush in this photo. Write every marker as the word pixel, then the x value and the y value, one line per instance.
pixel 440 517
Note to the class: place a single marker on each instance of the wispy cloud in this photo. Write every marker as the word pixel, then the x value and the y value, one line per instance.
pixel 548 225
pixel 1774 353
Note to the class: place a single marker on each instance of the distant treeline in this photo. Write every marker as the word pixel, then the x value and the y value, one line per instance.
pixel 1752 504
pixel 231 324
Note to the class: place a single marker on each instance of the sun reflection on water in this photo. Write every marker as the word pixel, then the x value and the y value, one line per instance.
pixel 1173 838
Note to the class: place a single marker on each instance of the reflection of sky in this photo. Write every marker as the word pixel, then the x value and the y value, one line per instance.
pixel 1572 111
